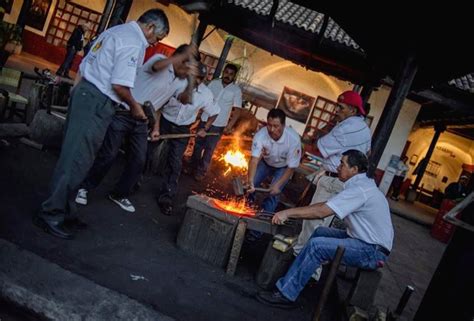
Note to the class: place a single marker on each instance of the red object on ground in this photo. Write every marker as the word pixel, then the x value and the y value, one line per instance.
pixel 442 230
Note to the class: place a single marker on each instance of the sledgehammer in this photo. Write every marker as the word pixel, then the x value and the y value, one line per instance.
pixel 239 187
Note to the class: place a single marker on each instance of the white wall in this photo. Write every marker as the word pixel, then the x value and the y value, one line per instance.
pixel 271 73
pixel 451 152
pixel 402 127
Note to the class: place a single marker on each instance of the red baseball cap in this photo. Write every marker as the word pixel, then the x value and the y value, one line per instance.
pixel 353 99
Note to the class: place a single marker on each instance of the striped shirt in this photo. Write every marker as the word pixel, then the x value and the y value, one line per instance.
pixel 351 133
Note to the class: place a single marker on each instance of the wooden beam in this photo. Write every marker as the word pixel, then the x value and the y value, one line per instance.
pixel 391 110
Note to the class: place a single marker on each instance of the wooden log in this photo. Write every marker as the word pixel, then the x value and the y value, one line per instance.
pixel 206 237
pixel 47 129
pixel 236 247
pixel 274 265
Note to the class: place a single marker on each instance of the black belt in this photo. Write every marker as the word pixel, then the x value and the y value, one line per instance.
pixel 380 248
pixel 331 174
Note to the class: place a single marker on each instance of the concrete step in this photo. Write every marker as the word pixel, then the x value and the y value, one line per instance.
pixel 46 289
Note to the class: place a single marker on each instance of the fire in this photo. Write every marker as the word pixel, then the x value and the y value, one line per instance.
pixel 234 206
pixel 234 159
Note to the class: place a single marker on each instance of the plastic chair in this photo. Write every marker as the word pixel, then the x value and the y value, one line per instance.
pixel 11 79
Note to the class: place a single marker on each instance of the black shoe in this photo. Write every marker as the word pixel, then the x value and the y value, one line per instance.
pixel 165 205
pixel 54 228
pixel 275 299
pixel 75 224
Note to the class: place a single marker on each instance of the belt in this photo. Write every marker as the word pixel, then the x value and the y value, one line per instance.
pixel 380 248
pixel 331 174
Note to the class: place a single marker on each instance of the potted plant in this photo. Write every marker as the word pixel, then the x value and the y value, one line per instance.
pixel 10 40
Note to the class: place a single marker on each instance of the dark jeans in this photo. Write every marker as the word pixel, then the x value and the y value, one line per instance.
pixel 67 63
pixel 89 115
pixel 263 171
pixel 397 185
pixel 169 176
pixel 204 148
pixel 122 126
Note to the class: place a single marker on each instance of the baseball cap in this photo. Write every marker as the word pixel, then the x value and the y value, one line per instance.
pixel 352 98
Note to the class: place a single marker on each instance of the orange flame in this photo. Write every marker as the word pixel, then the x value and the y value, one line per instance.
pixel 235 207
pixel 234 159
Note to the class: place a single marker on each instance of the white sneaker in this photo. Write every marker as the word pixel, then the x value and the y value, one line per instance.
pixel 81 197
pixel 124 203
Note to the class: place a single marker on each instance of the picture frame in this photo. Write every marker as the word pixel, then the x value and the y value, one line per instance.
pixel 39 15
pixel 413 159
pixel 295 104
pixel 7 5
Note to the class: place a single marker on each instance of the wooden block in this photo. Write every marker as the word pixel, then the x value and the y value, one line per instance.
pixel 206 237
pixel 274 265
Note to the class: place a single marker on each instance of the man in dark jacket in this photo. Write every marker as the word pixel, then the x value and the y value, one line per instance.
pixel 74 44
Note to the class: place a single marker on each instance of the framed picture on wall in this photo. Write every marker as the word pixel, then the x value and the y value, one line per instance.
pixel 295 104
pixel 413 159
pixel 39 14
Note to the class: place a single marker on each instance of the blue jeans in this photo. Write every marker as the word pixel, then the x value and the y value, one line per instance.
pixel 322 247
pixel 263 171
pixel 122 126
pixel 204 148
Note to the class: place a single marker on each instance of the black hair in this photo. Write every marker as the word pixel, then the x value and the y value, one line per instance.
pixel 232 67
pixel 182 48
pixel 158 18
pixel 357 158
pixel 277 113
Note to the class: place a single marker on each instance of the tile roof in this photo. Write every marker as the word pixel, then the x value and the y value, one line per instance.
pixel 464 83
pixel 300 17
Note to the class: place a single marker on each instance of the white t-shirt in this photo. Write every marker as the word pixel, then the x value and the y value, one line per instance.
pixel 226 98
pixel 157 87
pixel 114 58
pixel 351 133
pixel 284 152
pixel 181 114
pixel 365 211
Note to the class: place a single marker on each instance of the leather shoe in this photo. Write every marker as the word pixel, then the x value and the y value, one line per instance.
pixel 275 299
pixel 75 223
pixel 165 205
pixel 54 228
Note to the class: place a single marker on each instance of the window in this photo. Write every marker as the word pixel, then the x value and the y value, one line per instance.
pixel 68 16
pixel 433 169
pixel 320 121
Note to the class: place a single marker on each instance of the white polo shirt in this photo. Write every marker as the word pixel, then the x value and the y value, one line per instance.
pixel 284 152
pixel 226 98
pixel 185 114
pixel 365 211
pixel 114 58
pixel 351 133
pixel 157 87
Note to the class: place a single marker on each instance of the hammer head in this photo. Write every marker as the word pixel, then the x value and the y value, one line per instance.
pixel 237 186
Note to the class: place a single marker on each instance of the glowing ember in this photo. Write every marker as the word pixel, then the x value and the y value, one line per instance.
pixel 234 159
pixel 235 207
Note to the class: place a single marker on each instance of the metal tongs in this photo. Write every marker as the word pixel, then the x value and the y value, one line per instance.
pixel 265 215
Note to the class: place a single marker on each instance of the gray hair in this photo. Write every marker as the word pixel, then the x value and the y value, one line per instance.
pixel 159 19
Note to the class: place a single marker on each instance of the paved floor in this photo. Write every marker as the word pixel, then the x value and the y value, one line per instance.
pixel 117 245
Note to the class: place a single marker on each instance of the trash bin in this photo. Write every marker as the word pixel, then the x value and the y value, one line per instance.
pixel 442 230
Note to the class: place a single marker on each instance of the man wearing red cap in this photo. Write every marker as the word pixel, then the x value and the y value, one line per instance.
pixel 351 132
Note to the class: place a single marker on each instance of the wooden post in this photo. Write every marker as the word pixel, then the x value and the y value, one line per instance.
pixel 120 12
pixel 421 171
pixel 236 247
pixel 223 56
pixel 104 20
pixel 328 284
pixel 391 110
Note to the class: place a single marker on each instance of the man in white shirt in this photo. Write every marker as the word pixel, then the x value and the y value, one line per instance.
pixel 228 96
pixel 367 241
pixel 108 72
pixel 351 132
pixel 276 152
pixel 177 116
pixel 157 80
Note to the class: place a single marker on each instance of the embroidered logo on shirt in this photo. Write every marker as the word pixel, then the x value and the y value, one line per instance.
pixel 132 62
pixel 97 46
